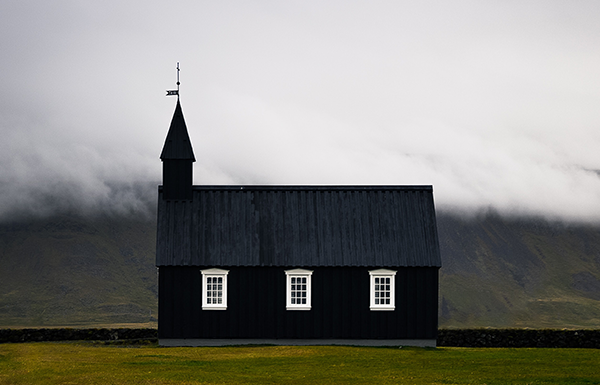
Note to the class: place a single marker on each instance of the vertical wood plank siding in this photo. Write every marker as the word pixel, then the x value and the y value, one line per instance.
pixel 256 305
pixel 177 179
pixel 299 226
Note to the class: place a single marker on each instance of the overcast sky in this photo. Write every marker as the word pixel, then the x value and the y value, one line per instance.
pixel 494 103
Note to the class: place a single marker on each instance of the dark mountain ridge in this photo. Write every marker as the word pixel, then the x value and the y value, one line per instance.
pixel 75 270
pixel 516 272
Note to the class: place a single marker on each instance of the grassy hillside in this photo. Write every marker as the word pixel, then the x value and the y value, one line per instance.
pixel 71 270
pixel 88 271
pixel 500 272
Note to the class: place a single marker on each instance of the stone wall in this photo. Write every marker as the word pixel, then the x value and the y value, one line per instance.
pixel 481 338
pixel 35 335
pixel 519 338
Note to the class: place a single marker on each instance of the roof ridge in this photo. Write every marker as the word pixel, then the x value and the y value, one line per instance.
pixel 314 187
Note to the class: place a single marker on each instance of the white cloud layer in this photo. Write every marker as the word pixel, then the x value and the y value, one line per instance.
pixel 493 103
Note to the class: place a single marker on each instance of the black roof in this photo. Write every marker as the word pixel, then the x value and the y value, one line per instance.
pixel 379 226
pixel 178 144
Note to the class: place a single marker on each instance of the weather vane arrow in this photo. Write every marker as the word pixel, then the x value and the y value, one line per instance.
pixel 175 92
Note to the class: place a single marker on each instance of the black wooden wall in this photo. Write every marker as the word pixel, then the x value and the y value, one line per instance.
pixel 177 179
pixel 256 305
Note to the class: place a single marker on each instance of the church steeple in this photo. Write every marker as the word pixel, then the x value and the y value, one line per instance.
pixel 178 145
pixel 177 157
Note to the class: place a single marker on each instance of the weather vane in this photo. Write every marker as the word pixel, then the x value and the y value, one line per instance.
pixel 175 92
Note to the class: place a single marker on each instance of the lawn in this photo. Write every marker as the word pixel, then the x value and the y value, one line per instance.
pixel 88 363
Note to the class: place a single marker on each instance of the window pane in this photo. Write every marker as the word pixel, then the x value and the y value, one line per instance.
pixel 381 290
pixel 297 290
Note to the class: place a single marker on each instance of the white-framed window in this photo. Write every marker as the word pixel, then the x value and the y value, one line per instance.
pixel 214 289
pixel 298 289
pixel 383 288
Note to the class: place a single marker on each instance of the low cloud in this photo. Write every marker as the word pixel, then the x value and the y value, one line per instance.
pixel 495 105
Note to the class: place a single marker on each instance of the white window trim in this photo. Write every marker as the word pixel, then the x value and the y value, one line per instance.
pixel 382 273
pixel 288 289
pixel 216 273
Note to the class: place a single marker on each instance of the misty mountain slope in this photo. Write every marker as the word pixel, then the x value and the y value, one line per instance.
pixel 518 272
pixel 72 270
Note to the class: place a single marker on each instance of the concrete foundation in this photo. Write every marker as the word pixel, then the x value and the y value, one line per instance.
pixel 292 342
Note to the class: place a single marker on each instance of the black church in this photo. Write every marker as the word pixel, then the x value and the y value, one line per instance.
pixel 292 265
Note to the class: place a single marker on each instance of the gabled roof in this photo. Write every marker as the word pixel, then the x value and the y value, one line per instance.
pixel 178 144
pixel 299 226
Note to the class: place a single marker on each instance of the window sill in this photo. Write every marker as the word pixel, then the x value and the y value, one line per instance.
pixel 373 308
pixel 214 307
pixel 297 308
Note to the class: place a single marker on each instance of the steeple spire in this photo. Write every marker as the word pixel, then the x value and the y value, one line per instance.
pixel 177 156
pixel 178 144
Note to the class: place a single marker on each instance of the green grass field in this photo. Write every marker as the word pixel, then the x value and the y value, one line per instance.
pixel 88 363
